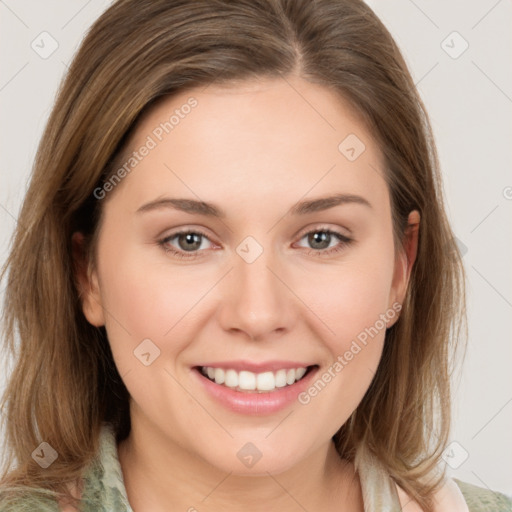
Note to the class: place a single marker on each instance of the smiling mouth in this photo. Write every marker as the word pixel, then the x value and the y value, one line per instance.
pixel 250 382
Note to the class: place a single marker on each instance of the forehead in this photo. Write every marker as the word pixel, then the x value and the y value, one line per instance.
pixel 281 137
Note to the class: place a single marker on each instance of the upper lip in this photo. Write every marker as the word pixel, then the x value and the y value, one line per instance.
pixel 251 366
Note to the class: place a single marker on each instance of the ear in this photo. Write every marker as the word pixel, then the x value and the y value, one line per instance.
pixel 405 261
pixel 86 279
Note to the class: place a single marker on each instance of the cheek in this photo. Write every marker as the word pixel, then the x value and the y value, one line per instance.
pixel 148 301
pixel 350 297
pixel 351 306
pixel 356 310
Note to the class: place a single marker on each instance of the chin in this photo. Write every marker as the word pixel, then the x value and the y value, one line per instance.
pixel 249 460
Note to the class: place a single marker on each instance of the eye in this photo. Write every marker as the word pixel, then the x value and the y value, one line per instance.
pixel 191 243
pixel 324 242
pixel 188 243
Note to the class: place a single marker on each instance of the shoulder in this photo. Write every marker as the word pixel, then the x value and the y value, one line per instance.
pixel 27 502
pixel 458 496
pixel 479 499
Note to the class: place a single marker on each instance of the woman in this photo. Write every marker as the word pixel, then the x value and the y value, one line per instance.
pixel 232 272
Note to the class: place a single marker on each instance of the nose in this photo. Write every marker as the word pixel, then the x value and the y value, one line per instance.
pixel 256 300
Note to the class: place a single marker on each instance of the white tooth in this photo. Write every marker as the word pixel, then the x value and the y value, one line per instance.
pixel 280 378
pixel 231 379
pixel 299 373
pixel 219 376
pixel 266 381
pixel 249 381
pixel 246 380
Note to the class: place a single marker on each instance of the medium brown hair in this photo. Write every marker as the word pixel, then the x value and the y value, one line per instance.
pixel 65 383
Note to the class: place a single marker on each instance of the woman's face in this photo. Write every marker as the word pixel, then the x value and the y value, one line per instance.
pixel 289 264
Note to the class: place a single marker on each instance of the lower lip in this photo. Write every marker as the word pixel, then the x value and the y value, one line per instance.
pixel 256 404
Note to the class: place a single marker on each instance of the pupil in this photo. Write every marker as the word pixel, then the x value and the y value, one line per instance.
pixel 320 239
pixel 194 239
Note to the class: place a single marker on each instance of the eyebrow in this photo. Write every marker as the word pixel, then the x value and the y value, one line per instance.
pixel 208 209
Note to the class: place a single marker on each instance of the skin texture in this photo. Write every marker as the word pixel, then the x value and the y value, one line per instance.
pixel 254 150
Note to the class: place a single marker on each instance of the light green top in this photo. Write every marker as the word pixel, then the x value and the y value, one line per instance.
pixel 104 489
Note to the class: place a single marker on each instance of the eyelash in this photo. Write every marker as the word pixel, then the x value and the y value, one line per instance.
pixel 344 242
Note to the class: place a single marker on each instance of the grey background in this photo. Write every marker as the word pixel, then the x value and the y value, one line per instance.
pixel 469 99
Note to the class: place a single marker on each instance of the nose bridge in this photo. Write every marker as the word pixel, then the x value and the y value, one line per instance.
pixel 256 301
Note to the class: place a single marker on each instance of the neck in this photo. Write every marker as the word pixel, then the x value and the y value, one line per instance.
pixel 159 475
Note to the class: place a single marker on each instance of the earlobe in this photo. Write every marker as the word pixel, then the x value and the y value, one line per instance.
pixel 405 260
pixel 87 284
